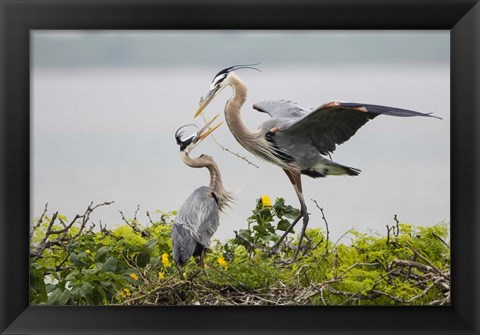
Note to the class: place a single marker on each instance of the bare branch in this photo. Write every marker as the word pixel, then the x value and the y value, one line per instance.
pixel 402 262
pixel 426 260
pixel 39 221
pixel 62 240
pixel 326 225
pixel 441 240
pixel 132 223
pixel 228 150
pixel 397 229
pixel 252 245
pixel 149 217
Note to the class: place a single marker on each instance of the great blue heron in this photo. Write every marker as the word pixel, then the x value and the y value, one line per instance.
pixel 295 138
pixel 198 218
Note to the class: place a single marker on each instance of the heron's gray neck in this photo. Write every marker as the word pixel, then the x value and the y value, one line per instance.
pixel 216 185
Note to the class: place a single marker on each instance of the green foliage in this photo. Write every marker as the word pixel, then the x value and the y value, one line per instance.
pixel 266 224
pixel 132 264
pixel 98 268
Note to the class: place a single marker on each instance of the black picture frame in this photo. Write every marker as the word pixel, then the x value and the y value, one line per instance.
pixel 19 17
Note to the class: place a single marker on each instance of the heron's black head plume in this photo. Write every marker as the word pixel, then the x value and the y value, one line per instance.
pixel 219 77
pixel 178 136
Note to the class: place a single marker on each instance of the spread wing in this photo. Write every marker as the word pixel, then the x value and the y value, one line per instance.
pixel 279 109
pixel 332 123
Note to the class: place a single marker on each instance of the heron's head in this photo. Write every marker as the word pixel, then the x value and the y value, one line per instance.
pixel 219 82
pixel 187 144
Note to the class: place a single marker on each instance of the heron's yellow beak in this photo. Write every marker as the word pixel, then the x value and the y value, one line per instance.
pixel 204 103
pixel 207 130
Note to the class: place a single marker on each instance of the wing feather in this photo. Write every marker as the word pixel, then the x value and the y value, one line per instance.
pixel 335 123
pixel 281 109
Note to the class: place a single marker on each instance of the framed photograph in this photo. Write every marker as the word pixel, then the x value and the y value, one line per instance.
pixel 97 98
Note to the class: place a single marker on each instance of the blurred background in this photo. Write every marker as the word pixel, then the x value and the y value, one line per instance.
pixel 106 104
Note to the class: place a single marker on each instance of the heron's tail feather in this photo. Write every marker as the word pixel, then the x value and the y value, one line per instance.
pixel 352 171
pixel 330 169
pixel 184 245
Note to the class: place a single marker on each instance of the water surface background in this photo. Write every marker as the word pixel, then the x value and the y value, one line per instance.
pixel 105 107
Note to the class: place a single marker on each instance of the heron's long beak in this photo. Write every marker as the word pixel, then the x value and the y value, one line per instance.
pixel 205 101
pixel 207 130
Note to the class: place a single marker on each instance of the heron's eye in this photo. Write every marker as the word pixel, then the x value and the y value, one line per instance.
pixel 217 81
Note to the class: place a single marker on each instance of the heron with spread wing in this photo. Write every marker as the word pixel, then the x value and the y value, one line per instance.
pixel 294 138
pixel 198 218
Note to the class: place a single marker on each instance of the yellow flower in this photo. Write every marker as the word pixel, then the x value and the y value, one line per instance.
pixel 161 275
pixel 133 276
pixel 222 262
pixel 165 260
pixel 88 251
pixel 266 202
pixel 126 292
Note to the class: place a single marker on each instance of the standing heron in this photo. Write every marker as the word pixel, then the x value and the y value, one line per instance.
pixel 294 138
pixel 198 218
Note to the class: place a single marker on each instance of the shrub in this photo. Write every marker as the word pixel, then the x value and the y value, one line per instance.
pixel 73 263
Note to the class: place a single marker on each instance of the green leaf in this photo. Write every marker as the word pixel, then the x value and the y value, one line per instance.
pixel 283 225
pixel 270 228
pixel 268 238
pixel 246 234
pixel 291 213
pixel 102 253
pixel 74 258
pixel 63 298
pixel 91 271
pixel 86 289
pixel 150 245
pixel 260 230
pixel 53 298
pixel 102 293
pixel 143 258
pixel 71 276
pixel 110 265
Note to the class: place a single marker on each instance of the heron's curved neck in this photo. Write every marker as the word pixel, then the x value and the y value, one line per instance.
pixel 232 112
pixel 254 141
pixel 215 177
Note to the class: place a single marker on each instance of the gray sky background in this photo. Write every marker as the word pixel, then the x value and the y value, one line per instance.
pixel 105 106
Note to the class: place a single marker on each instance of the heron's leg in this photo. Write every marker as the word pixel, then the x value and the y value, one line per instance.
pixel 275 246
pixel 295 179
pixel 202 257
pixel 180 272
pixel 302 234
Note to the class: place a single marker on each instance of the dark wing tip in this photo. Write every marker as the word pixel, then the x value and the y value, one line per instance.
pixel 434 116
pixel 386 110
